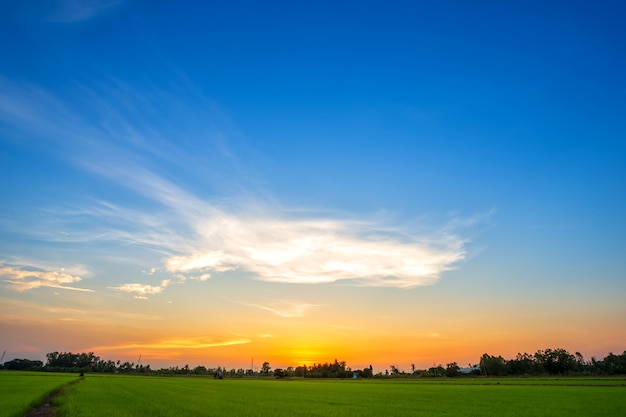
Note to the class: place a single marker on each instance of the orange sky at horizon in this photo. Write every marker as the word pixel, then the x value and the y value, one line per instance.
pixel 321 336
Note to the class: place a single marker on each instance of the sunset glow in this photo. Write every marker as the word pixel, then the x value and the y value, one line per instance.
pixel 382 183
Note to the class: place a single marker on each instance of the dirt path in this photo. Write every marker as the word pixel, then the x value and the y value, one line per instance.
pixel 46 409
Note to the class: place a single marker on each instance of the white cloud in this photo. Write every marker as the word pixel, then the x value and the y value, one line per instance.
pixel 285 309
pixel 313 251
pixel 213 260
pixel 274 246
pixel 202 277
pixel 21 279
pixel 141 290
pixel 200 238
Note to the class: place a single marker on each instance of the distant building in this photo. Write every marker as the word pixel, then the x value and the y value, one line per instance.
pixel 473 369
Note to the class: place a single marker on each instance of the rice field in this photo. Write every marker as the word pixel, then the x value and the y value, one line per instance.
pixel 20 391
pixel 116 395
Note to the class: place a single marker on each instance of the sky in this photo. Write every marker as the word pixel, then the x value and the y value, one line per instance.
pixel 384 183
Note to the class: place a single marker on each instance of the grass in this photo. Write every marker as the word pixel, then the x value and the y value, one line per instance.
pixel 21 391
pixel 119 395
pixel 111 395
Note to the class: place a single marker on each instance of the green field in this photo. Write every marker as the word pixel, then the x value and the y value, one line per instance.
pixel 20 391
pixel 116 395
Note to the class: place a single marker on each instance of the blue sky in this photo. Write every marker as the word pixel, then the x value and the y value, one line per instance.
pixel 460 150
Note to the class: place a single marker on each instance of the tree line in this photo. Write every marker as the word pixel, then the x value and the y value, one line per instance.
pixel 543 362
pixel 552 362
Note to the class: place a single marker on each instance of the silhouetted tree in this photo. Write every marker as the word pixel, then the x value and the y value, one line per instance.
pixel 614 364
pixel 492 365
pixel 452 369
pixel 556 361
pixel 199 370
pixel 265 368
pixel 23 365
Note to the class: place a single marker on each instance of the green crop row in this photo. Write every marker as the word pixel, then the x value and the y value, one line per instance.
pixel 121 395
pixel 20 391
pixel 154 396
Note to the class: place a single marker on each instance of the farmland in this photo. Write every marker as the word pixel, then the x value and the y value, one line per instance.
pixel 108 395
pixel 20 391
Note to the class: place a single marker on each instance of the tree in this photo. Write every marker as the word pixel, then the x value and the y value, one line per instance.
pixel 69 361
pixel 128 367
pixel 580 362
pixel 452 369
pixel 367 373
pixel 22 365
pixel 435 371
pixel 265 368
pixel 300 371
pixel 523 364
pixel 614 364
pixel 492 365
pixel 199 370
pixel 336 369
pixel 556 361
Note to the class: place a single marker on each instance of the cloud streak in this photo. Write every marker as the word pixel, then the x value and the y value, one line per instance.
pixel 200 238
pixel 21 279
pixel 179 343
pixel 286 309
pixel 141 291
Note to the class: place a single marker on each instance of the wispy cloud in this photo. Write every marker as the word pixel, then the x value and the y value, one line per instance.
pixel 21 278
pixel 179 343
pixel 285 309
pixel 199 237
pixel 282 248
pixel 141 291
pixel 318 250
pixel 15 310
